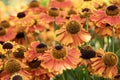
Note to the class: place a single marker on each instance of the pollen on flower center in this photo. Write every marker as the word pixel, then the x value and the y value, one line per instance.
pixel 73 27
pixel 112 10
pixel 12 66
pixel 110 59
pixel 2 31
pixel 59 52
pixel 41 48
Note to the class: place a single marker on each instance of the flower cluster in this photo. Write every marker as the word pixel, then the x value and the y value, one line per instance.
pixel 40 43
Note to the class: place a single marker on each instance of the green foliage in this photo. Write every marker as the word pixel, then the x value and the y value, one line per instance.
pixel 80 73
pixel 44 3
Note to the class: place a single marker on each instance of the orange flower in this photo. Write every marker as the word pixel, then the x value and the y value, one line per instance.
pixel 12 67
pixel 7 34
pixel 92 4
pixel 82 18
pixel 117 33
pixel 18 52
pixel 41 74
pixel 33 60
pixel 105 65
pixel 48 36
pixel 20 38
pixel 87 53
pixel 36 10
pixel 115 2
pixel 72 34
pixel 48 19
pixel 23 20
pixel 103 29
pixel 36 50
pixel 60 58
pixel 64 4
pixel 110 16
pixel 117 77
pixel 38 25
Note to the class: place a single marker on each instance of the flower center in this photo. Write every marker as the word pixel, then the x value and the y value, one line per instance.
pixel 67 17
pixel 34 63
pixel 12 66
pixel 71 11
pixel 117 77
pixel 1 42
pixel 53 12
pixel 87 0
pixel 73 27
pixel 20 35
pixel 19 53
pixel 59 52
pixel 107 25
pixel 35 22
pixel 87 52
pixel 33 4
pixel 17 77
pixel 100 6
pixel 60 0
pixel 86 10
pixel 5 24
pixel 21 15
pixel 2 31
pixel 7 45
pixel 41 48
pixel 112 10
pixel 110 59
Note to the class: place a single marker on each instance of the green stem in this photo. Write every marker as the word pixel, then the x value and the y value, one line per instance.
pixel 50 2
pixel 108 43
pixel 37 35
pixel 63 77
pixel 26 40
pixel 87 23
pixel 2 68
pixel 113 34
pixel 8 53
pixel 55 25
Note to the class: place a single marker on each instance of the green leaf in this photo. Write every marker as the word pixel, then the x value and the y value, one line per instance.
pixel 56 27
pixel 44 3
pixel 118 52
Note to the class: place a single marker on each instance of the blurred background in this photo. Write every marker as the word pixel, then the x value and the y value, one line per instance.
pixel 12 7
